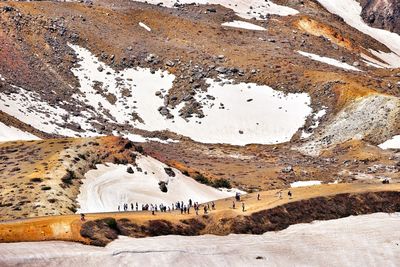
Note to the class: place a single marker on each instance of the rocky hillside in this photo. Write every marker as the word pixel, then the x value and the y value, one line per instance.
pixel 383 14
pixel 259 93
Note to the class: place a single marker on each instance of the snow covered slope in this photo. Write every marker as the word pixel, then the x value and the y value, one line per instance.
pixel 236 114
pixel 368 240
pixel 350 11
pixel 109 186
pixel 244 8
pixel 28 107
pixel 9 133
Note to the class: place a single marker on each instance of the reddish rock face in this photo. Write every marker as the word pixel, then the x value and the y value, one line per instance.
pixel 384 14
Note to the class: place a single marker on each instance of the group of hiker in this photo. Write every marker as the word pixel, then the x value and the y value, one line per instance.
pixel 185 208
pixel 179 205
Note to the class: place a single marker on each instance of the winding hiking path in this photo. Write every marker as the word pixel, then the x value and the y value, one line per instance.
pixel 67 227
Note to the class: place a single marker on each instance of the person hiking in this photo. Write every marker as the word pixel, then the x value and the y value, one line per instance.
pixel 137 206
pixel 233 205
pixel 243 208
pixel 132 206
pixel 289 194
pixel 258 196
pixel 190 202
pixel 237 196
pixel 119 208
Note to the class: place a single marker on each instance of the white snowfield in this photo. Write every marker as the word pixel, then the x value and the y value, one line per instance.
pixel 247 9
pixel 237 114
pixel 330 61
pixel 393 143
pixel 243 25
pixel 111 185
pixel 9 133
pixel 350 11
pixel 367 240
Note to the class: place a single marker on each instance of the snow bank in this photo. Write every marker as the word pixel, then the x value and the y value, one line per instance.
pixel 236 114
pixel 141 24
pixel 304 183
pixel 393 143
pixel 329 61
pixel 350 11
pixel 244 8
pixel 243 25
pixel 111 185
pixel 28 107
pixel 367 240
pixel 9 133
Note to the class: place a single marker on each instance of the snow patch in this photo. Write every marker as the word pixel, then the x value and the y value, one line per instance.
pixel 350 11
pixel 304 183
pixel 393 143
pixel 329 61
pixel 111 185
pixel 141 24
pixel 243 25
pixel 9 133
pixel 95 76
pixel 28 107
pixel 141 139
pixel 247 9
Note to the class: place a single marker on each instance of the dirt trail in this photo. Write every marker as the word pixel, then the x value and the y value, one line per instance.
pixel 68 227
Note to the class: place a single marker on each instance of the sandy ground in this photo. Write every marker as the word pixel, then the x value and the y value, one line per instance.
pixel 353 241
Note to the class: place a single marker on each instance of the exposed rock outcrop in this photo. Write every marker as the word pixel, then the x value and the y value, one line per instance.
pixel 383 14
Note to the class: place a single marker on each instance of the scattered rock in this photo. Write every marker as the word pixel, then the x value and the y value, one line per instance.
pixel 129 170
pixel 287 169
pixel 163 186
pixel 169 63
pixel 170 172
